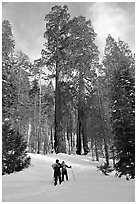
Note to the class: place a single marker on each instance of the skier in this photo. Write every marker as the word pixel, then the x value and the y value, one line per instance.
pixel 57 173
pixel 64 170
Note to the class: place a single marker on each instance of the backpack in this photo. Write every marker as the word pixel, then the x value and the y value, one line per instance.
pixel 55 167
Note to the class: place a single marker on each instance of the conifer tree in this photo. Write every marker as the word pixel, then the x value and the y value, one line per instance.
pixel 9 92
pixel 123 118
pixel 109 65
pixel 53 54
pixel 119 74
pixel 83 61
pixel 13 149
pixel 34 99
pixel 70 52
pixel 13 143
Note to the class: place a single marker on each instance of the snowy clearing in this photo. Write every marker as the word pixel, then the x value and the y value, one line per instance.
pixel 35 184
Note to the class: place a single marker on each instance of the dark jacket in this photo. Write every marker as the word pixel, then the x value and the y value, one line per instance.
pixel 56 168
pixel 65 166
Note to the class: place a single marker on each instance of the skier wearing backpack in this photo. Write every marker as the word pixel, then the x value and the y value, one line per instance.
pixel 57 173
pixel 64 170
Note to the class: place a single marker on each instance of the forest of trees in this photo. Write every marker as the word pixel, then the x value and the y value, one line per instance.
pixel 68 101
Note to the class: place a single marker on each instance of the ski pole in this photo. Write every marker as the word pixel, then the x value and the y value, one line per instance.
pixel 73 174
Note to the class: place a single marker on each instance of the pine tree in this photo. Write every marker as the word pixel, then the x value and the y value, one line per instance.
pixel 109 65
pixel 123 119
pixel 13 149
pixel 13 143
pixel 8 42
pixel 119 82
pixel 9 92
pixel 34 142
pixel 102 92
pixel 21 72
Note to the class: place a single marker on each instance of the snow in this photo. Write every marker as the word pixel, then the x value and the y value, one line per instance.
pixel 35 184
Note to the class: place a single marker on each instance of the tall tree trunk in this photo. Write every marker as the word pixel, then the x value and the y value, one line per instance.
pixel 59 138
pixel 45 146
pixel 96 151
pixel 71 142
pixel 68 138
pixel 29 134
pixel 56 111
pixel 19 99
pixel 39 132
pixel 81 119
pixel 79 126
pixel 103 125
pixel 35 123
pixel 92 149
pixel 78 145
pixel 106 152
pixel 113 156
pixel 51 138
pixel 85 142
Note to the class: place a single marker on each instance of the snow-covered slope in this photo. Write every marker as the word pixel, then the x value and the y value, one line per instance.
pixel 35 184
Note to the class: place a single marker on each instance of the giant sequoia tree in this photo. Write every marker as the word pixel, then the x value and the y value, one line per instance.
pixel 73 56
pixel 55 36
pixel 83 61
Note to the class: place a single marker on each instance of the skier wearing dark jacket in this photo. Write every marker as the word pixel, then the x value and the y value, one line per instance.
pixel 57 173
pixel 64 170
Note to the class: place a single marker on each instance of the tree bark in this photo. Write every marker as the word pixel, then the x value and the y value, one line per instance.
pixel 39 132
pixel 78 146
pixel 56 110
pixel 84 136
pixel 81 119
pixel 79 126
pixel 96 151
pixel 51 138
pixel 92 149
pixel 103 126
pixel 106 152
pixel 59 138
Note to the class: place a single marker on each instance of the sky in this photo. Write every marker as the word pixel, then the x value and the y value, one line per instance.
pixel 28 25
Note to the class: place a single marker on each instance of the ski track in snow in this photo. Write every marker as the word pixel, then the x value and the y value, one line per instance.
pixel 35 184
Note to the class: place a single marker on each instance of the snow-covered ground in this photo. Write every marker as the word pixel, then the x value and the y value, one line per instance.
pixel 35 184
